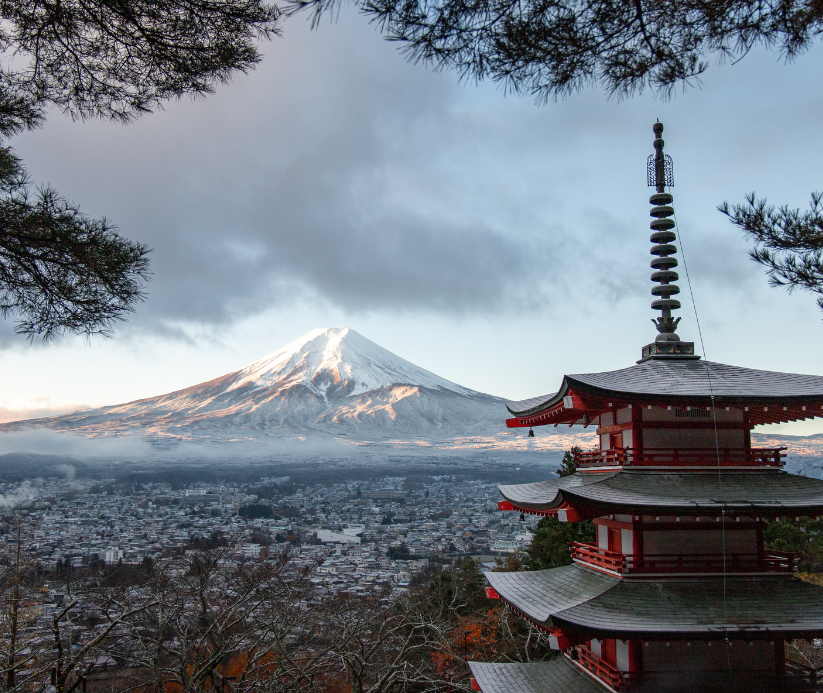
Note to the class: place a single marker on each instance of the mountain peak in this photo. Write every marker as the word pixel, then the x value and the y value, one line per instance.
pixel 337 361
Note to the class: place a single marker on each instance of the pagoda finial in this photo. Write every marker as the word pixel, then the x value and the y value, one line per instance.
pixel 660 175
pixel 659 167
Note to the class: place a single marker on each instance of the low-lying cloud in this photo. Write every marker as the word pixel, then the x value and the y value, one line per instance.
pixel 42 441
pixel 45 410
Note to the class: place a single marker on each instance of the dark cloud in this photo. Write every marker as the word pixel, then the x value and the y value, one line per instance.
pixel 308 180
pixel 339 174
pixel 296 182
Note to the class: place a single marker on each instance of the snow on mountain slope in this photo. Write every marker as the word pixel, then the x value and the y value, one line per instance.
pixel 338 361
pixel 329 382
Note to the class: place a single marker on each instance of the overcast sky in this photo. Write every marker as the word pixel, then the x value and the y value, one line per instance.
pixel 497 243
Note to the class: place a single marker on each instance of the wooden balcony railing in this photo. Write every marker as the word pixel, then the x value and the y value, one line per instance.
pixel 770 562
pixel 599 558
pixel 681 457
pixel 599 667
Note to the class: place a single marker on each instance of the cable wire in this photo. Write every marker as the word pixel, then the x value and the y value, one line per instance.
pixel 716 437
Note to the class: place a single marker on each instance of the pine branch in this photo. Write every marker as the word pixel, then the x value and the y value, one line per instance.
pixel 788 242
pixel 553 48
pixel 119 59
pixel 61 271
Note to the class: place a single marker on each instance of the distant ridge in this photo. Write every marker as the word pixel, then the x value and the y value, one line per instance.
pixel 329 382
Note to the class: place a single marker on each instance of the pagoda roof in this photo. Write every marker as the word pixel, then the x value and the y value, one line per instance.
pixel 637 492
pixel 578 599
pixel 675 380
pixel 562 676
pixel 558 675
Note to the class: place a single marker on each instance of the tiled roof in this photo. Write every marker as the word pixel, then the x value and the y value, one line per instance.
pixel 678 492
pixel 702 606
pixel 553 676
pixel 561 676
pixel 525 406
pixel 542 593
pixel 687 378
pixel 698 605
pixel 546 494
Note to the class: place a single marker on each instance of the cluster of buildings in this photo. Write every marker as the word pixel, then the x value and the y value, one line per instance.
pixel 362 534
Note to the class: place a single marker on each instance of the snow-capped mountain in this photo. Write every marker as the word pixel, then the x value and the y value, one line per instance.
pixel 330 381
pixel 338 362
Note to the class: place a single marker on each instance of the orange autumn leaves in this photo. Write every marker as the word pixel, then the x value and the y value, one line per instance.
pixel 472 638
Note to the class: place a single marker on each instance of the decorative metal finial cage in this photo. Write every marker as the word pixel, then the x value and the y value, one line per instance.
pixel 651 170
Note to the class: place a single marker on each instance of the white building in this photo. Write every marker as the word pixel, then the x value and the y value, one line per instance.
pixel 250 550
pixel 113 555
pixel 354 530
pixel 504 547
pixel 326 536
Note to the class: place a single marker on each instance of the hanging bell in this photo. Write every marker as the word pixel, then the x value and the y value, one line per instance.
pixel 522 517
pixel 531 433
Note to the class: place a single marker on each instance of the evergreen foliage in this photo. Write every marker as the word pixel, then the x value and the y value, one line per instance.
pixel 550 545
pixel 255 511
pixel 553 49
pixel 568 466
pixel 804 536
pixel 62 271
pixel 788 242
pixel 400 553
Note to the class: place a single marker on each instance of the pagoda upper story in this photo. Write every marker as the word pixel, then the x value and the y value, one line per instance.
pixel 675 412
pixel 672 409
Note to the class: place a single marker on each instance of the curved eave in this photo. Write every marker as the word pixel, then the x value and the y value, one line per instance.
pixel 575 599
pixel 547 495
pixel 771 493
pixel 541 595
pixel 775 396
pixel 534 405
pixel 552 676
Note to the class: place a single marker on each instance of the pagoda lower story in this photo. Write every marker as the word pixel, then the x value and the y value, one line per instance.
pixel 664 601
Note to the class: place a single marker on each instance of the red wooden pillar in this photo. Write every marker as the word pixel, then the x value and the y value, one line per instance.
pixel 637 538
pixel 615 540
pixel 761 545
pixel 779 658
pixel 637 432
pixel 635 657
pixel 609 651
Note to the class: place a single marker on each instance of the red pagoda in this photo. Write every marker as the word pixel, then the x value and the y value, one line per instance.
pixel 678 593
